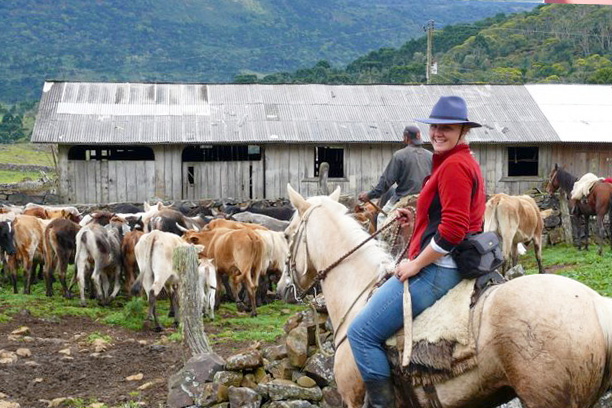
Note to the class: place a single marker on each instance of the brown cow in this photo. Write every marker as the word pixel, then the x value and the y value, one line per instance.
pixel 130 265
pixel 27 234
pixel 59 249
pixel 238 253
pixel 517 220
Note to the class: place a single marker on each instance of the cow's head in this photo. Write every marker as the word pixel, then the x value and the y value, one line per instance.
pixel 6 237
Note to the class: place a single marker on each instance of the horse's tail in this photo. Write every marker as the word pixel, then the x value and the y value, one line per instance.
pixel 604 315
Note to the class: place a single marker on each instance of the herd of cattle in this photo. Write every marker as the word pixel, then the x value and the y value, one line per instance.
pixel 132 248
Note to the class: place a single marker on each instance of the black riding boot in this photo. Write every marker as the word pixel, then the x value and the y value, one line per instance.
pixel 380 394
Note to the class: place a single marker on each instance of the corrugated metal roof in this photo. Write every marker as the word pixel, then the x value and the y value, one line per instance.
pixel 578 113
pixel 131 113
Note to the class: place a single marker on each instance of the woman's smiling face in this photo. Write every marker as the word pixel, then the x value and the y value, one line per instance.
pixel 444 137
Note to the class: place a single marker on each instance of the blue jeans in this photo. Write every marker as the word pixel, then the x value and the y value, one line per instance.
pixel 383 316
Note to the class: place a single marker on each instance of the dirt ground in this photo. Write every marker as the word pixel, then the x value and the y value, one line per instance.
pixel 34 380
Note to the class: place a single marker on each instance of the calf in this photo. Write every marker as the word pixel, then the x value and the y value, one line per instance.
pixel 100 247
pixel 517 220
pixel 59 246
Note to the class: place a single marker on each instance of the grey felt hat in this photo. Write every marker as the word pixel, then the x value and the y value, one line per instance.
pixel 449 110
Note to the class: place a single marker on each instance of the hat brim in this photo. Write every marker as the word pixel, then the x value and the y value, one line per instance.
pixel 448 122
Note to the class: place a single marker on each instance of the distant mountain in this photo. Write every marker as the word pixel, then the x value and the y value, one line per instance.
pixel 559 43
pixel 203 40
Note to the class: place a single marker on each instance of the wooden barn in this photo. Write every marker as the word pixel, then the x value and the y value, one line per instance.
pixel 121 142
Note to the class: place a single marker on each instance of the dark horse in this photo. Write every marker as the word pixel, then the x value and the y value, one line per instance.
pixel 596 203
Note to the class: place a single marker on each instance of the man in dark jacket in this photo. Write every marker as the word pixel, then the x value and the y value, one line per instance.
pixel 407 169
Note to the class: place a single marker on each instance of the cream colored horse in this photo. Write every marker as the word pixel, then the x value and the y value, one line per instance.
pixel 544 338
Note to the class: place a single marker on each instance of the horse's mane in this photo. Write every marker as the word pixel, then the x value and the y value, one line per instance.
pixel 353 232
pixel 566 180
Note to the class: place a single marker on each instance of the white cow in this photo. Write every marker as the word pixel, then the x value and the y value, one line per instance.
pixel 154 252
pixel 100 247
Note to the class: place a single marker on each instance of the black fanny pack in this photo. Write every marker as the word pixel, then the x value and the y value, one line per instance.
pixel 478 254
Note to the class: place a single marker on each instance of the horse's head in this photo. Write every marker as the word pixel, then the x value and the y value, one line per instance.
pixel 553 180
pixel 300 273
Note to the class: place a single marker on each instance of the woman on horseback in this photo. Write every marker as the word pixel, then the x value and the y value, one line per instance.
pixel 451 205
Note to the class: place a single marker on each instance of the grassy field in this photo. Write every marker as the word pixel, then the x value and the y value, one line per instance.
pixel 26 153
pixel 10 176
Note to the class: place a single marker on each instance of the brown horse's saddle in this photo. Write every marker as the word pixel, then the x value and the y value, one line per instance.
pixel 443 336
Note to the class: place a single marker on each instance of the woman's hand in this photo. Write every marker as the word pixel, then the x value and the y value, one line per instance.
pixel 406 269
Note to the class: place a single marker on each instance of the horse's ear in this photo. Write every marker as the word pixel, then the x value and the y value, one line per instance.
pixel 556 166
pixel 336 194
pixel 297 200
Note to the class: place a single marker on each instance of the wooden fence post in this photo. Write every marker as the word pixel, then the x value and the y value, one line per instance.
pixel 185 261
pixel 566 220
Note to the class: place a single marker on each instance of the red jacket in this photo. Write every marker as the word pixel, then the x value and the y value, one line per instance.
pixel 452 202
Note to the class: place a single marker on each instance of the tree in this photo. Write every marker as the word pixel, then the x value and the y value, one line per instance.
pixel 601 76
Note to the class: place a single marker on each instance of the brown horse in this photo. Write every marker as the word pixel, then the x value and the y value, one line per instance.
pixel 544 338
pixel 596 203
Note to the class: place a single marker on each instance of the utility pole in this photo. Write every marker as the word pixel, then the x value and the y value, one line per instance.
pixel 429 28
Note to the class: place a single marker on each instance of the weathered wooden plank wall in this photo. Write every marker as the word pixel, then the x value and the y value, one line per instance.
pixel 223 180
pixel 295 164
pixel 493 160
pixel 166 177
pixel 580 159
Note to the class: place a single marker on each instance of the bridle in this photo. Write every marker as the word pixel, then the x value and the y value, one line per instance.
pixel 300 235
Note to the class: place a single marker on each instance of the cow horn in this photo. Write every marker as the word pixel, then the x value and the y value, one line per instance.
pixel 180 227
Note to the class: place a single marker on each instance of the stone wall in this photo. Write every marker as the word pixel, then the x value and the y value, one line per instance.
pixel 292 374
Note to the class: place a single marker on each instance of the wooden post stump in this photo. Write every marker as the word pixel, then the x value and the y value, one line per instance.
pixel 566 220
pixel 185 261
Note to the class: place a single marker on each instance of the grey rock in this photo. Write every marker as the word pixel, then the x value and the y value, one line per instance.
pixel 248 360
pixel 297 346
pixel 228 378
pixel 213 394
pixel 278 390
pixel 289 404
pixel 277 352
pixel 320 368
pixel 184 386
pixel 242 397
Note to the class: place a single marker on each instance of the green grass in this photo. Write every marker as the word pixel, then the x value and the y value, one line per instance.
pixel 12 176
pixel 131 314
pixel 26 153
pixel 267 326
pixel 587 267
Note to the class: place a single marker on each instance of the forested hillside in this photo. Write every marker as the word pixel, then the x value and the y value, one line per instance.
pixel 554 43
pixel 202 40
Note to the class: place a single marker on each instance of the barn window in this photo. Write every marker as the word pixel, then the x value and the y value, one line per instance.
pixel 110 153
pixel 217 153
pixel 334 156
pixel 190 175
pixel 523 161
